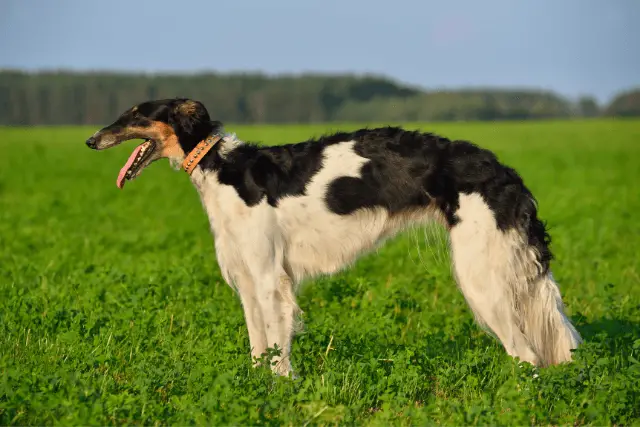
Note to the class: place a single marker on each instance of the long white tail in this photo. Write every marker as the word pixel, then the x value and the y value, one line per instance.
pixel 505 278
pixel 545 324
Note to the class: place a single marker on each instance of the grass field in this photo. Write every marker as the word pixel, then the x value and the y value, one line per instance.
pixel 113 311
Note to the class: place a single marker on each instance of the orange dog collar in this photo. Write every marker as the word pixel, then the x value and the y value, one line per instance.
pixel 194 157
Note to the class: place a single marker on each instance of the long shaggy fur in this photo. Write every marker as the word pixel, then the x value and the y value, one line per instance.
pixel 283 214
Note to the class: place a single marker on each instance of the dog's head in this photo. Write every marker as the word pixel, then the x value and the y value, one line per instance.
pixel 171 128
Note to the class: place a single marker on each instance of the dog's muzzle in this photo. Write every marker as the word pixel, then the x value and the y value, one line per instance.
pixel 91 143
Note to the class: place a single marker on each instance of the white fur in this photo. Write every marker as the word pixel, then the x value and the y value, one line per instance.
pixel 499 277
pixel 265 252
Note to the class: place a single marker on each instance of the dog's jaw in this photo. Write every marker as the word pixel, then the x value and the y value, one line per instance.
pixel 138 160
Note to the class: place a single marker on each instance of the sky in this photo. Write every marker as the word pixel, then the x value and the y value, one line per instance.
pixel 573 47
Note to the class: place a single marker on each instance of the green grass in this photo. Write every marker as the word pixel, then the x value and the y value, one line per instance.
pixel 113 311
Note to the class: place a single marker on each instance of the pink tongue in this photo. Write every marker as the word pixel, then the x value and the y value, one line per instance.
pixel 125 168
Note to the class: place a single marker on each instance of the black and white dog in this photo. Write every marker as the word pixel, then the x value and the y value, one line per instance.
pixel 285 213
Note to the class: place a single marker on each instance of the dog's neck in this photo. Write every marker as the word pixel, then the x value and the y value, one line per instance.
pixel 223 144
pixel 208 152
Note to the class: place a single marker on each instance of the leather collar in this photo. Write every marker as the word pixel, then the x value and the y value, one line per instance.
pixel 193 158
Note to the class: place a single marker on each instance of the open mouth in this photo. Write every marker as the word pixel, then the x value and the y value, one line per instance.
pixel 136 162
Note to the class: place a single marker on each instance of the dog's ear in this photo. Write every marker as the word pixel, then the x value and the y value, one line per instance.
pixel 188 107
pixel 189 116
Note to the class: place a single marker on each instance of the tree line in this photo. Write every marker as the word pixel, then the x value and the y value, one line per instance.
pixel 94 98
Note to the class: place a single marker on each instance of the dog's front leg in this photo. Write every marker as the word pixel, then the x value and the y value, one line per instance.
pixel 279 308
pixel 253 253
pixel 267 295
pixel 246 288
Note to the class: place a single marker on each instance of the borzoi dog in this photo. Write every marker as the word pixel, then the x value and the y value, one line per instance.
pixel 282 214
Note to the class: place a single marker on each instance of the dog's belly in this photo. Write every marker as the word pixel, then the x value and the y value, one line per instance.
pixel 320 242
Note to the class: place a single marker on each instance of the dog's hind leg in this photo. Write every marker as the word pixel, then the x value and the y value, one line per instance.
pixel 477 249
pixel 503 282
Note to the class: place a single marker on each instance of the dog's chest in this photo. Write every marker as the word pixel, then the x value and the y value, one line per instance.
pixel 232 222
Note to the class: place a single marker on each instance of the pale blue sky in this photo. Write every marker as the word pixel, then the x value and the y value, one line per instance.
pixel 571 46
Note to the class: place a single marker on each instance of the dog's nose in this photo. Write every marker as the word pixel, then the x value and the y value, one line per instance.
pixel 91 142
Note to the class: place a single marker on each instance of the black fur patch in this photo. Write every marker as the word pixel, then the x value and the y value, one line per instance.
pixel 271 172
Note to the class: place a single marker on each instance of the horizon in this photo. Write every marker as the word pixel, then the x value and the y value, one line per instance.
pixel 187 73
